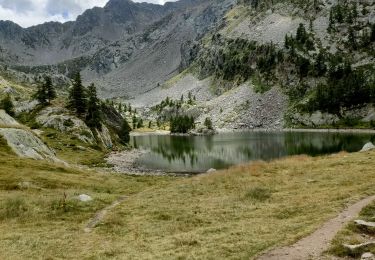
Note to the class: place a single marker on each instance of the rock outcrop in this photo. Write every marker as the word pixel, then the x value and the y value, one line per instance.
pixel 7 121
pixel 368 147
pixel 60 119
pixel 25 144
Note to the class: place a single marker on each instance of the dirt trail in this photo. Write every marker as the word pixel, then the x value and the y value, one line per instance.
pixel 101 214
pixel 313 246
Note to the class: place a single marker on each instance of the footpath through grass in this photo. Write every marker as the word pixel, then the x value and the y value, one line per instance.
pixel 232 214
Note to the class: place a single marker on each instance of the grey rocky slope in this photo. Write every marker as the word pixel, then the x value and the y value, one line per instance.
pixel 22 141
pixel 126 48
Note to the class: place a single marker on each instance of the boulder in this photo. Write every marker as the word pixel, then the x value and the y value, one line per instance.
pixel 365 223
pixel 25 144
pixel 105 137
pixel 7 121
pixel 368 147
pixel 26 106
pixel 84 198
pixel 59 119
pixel 359 246
pixel 368 256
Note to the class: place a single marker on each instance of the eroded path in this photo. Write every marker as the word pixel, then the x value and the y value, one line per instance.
pixel 314 245
pixel 99 216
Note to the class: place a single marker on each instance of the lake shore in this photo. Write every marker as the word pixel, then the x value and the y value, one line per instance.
pixel 223 131
pixel 299 130
pixel 125 162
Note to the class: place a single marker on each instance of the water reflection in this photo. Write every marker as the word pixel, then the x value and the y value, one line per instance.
pixel 200 153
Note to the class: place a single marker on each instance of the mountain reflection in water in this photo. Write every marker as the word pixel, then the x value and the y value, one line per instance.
pixel 200 153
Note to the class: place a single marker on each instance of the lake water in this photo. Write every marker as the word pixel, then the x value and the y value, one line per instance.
pixel 200 153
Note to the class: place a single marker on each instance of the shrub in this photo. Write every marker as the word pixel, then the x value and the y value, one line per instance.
pixel 14 207
pixel 258 194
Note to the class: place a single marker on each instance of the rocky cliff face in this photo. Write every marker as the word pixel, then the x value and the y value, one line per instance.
pixel 127 48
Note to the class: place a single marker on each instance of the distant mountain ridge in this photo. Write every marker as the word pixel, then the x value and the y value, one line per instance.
pixel 127 48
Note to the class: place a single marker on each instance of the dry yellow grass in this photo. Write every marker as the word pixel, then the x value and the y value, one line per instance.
pixel 232 214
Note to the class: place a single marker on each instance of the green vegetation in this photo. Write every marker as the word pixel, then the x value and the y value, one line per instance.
pixel 248 208
pixel 182 124
pixel 40 212
pixel 124 134
pixel 7 104
pixel 353 234
pixel 45 92
pixel 208 123
pixel 93 116
pixel 322 80
pixel 77 97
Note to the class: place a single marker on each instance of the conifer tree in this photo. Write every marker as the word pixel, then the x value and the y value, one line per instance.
pixel 45 92
pixel 351 39
pixel 49 88
pixel 7 105
pixel 134 121
pixel 41 94
pixel 124 134
pixel 77 96
pixel 372 37
pixel 301 34
pixel 93 117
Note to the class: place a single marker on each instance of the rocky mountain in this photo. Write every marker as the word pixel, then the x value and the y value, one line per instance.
pixel 248 63
pixel 127 48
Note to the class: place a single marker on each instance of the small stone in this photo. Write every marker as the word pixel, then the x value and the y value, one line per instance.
pixel 84 198
pixel 368 147
pixel 368 256
pixel 211 170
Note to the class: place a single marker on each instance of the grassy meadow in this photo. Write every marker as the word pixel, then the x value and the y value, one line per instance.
pixel 232 214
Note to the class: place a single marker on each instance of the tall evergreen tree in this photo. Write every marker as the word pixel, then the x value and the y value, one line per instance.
pixel 124 134
pixel 49 89
pixel 301 34
pixel 93 117
pixel 45 92
pixel 77 96
pixel 41 94
pixel 372 37
pixel 7 104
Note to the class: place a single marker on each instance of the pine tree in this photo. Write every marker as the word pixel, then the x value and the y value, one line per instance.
pixel 301 34
pixel 140 123
pixel 134 121
pixel 77 97
pixel 41 94
pixel 124 134
pixel 351 39
pixel 93 117
pixel 49 89
pixel 331 21
pixel 372 37
pixel 208 123
pixel 7 105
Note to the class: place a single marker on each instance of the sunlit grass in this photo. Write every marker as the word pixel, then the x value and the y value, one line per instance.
pixel 231 214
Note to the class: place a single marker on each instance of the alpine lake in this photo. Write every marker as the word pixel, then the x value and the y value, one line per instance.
pixel 197 154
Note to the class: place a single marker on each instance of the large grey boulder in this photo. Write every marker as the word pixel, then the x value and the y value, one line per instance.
pixel 368 147
pixel 59 119
pixel 7 121
pixel 84 198
pixel 25 144
pixel 105 137
pixel 368 256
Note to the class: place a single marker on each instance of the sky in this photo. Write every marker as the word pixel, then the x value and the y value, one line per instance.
pixel 32 12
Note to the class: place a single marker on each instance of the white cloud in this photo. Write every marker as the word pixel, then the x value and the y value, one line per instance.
pixel 31 12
